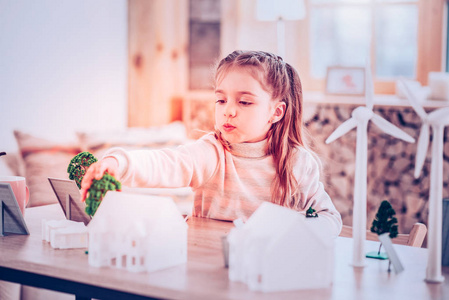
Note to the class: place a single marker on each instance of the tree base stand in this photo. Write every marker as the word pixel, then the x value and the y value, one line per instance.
pixel 376 255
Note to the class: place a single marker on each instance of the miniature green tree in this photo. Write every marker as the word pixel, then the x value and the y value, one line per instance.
pixel 385 221
pixel 78 166
pixel 311 213
pixel 97 191
pixel 77 169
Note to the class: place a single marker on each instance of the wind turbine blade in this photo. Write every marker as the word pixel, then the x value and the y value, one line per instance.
pixel 369 88
pixel 439 116
pixel 410 93
pixel 423 144
pixel 391 129
pixel 344 128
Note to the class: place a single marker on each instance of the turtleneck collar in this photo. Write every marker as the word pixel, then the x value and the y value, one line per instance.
pixel 250 150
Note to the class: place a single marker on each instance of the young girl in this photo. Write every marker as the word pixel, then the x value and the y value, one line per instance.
pixel 257 152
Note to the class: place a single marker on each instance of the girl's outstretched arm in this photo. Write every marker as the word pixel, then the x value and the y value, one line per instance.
pixel 187 165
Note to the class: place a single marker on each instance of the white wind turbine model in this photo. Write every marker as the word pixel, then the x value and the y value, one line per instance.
pixel 438 119
pixel 360 118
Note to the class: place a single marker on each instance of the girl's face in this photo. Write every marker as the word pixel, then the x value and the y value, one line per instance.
pixel 244 111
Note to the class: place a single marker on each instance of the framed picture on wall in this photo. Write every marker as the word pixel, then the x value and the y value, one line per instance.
pixel 345 81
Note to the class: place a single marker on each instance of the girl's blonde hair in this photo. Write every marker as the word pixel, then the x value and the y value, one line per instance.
pixel 282 81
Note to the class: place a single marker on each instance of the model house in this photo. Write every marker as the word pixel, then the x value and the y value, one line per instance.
pixel 278 249
pixel 137 233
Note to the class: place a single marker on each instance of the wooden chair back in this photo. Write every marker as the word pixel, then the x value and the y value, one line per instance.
pixel 415 238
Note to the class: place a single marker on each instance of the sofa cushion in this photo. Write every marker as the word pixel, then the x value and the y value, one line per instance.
pixel 97 143
pixel 11 164
pixel 44 158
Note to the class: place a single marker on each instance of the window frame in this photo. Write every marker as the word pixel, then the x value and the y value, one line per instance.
pixel 431 46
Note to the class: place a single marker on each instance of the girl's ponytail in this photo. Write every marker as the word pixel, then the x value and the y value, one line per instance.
pixel 285 136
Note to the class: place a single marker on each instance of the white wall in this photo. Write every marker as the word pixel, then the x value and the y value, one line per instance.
pixel 240 29
pixel 63 67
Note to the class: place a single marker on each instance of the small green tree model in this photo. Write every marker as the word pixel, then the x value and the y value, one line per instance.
pixel 77 169
pixel 97 191
pixel 78 166
pixel 311 213
pixel 385 221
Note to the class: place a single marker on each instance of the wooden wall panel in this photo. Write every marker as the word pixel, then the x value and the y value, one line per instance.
pixel 157 59
pixel 430 38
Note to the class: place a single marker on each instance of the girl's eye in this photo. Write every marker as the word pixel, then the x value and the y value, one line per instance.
pixel 245 103
pixel 220 101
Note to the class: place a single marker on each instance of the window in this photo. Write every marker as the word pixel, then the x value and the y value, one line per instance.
pixel 204 42
pixel 401 37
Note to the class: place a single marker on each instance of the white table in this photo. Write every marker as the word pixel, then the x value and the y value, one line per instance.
pixel 31 261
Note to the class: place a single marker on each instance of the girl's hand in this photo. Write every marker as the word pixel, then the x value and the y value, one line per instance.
pixel 96 171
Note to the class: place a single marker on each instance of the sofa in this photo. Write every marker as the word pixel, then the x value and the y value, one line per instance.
pixel 38 158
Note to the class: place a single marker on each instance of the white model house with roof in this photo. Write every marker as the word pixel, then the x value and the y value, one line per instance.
pixel 137 232
pixel 279 249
